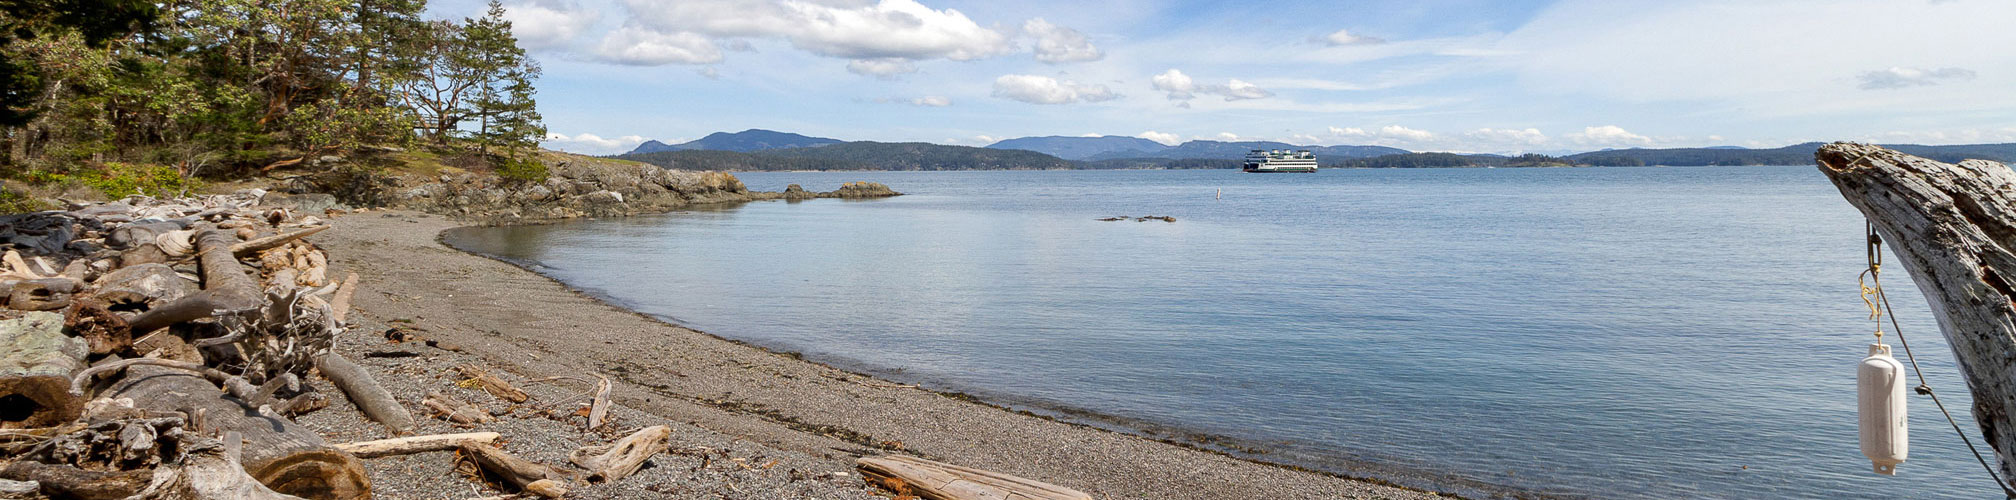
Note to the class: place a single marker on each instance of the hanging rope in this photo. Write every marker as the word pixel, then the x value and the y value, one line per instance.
pixel 1875 288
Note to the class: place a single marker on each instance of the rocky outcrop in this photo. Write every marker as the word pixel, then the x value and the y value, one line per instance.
pixel 575 186
pixel 861 190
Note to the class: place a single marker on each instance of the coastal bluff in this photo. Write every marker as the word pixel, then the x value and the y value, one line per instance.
pixel 575 186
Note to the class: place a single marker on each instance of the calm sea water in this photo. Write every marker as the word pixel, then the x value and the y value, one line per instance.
pixel 1610 332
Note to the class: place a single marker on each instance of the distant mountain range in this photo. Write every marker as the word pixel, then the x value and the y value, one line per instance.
pixel 745 141
pixel 757 149
pixel 1116 147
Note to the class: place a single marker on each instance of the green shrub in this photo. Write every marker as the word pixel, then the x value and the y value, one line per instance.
pixel 528 169
pixel 119 180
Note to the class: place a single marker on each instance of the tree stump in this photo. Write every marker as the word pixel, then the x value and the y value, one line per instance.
pixel 36 363
pixel 1954 228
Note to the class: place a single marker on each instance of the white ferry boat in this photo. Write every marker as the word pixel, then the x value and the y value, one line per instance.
pixel 1280 160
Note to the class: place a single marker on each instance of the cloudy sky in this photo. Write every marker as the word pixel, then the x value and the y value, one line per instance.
pixel 1425 75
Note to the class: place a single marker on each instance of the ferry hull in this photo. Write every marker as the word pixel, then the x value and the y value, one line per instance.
pixel 1308 170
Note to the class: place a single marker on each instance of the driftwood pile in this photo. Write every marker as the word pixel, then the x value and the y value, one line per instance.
pixel 156 348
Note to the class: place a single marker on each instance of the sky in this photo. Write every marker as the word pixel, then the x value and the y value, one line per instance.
pixel 1493 76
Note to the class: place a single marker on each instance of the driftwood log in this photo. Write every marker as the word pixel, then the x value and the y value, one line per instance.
pixel 280 454
pixel 611 462
pixel 36 363
pixel 527 475
pixel 226 287
pixel 418 444
pixel 1954 229
pixel 65 481
pixel 942 481
pixel 365 392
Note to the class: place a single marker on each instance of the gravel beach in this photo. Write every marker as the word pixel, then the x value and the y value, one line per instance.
pixel 748 423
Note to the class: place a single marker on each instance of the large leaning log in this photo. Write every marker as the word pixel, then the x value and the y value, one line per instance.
pixel 226 287
pixel 286 457
pixel 365 392
pixel 1954 229
pixel 36 363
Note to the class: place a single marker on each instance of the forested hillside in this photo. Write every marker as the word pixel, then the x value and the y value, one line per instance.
pixel 857 156
pixel 126 95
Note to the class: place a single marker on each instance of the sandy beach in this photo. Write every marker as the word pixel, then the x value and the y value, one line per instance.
pixel 793 427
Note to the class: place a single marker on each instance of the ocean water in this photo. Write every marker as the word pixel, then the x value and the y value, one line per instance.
pixel 1603 332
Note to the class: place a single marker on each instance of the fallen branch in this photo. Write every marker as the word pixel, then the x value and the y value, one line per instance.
pixel 339 305
pixel 942 481
pixel 83 378
pixel 611 462
pixel 491 384
pixel 417 444
pixel 246 249
pixel 456 410
pixel 530 476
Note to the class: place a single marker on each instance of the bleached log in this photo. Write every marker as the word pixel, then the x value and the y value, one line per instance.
pixel 36 363
pixel 1953 227
pixel 611 462
pixel 942 481
pixel 208 471
pixel 365 392
pixel 64 481
pixel 339 304
pixel 417 444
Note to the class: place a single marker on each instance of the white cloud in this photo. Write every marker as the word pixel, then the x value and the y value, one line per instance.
pixel 1341 38
pixel 883 67
pixel 586 143
pixel 853 29
pixel 932 101
pixel 1897 78
pixel 1058 44
pixel 1608 136
pixel 643 47
pixel 1508 136
pixel 1180 87
pixel 1390 135
pixel 548 24
pixel 1166 139
pixel 986 139
pixel 1037 89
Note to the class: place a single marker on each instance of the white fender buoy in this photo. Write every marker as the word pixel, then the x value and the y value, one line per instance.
pixel 1880 387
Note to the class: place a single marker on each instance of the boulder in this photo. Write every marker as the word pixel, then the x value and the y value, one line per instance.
pixel 300 203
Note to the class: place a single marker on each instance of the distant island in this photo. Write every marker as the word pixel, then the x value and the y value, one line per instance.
pixel 767 150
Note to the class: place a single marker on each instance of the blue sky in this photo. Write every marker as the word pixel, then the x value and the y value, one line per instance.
pixel 1467 76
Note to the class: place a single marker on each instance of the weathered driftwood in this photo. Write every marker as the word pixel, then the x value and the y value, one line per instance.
pixel 455 410
pixel 46 294
pixel 417 444
pixel 491 384
pixel 530 476
pixel 285 457
pixel 941 481
pixel 365 392
pixel 226 287
pixel 1954 229
pixel 65 481
pixel 249 248
pixel 611 462
pixel 36 363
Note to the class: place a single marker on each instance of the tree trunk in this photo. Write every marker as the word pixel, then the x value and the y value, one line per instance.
pixel 285 457
pixel 1954 228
